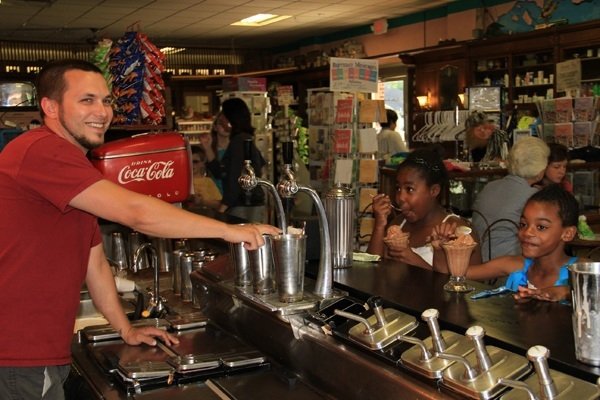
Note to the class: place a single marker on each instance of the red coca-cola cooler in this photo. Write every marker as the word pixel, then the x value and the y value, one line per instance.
pixel 156 164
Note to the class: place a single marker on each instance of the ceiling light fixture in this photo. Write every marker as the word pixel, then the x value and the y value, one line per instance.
pixel 261 20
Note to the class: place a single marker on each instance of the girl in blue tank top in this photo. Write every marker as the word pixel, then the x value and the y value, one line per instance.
pixel 548 223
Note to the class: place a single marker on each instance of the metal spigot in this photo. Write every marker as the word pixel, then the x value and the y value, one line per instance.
pixel 538 355
pixel 375 303
pixel 248 181
pixel 425 353
pixel 288 187
pixel 430 316
pixel 470 372
pixel 476 334
pixel 368 328
pixel 156 305
pixel 519 386
pixel 324 283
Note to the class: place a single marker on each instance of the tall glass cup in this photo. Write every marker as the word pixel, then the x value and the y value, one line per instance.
pixel 458 256
pixel 263 270
pixel 289 252
pixel 585 288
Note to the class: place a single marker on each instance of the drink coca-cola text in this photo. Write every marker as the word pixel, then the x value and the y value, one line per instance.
pixel 155 171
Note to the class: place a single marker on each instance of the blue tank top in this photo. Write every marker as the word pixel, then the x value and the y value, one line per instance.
pixel 519 278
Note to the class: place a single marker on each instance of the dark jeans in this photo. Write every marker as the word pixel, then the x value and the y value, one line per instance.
pixel 33 383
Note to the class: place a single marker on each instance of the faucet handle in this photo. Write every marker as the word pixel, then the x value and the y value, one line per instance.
pixel 375 303
pixel 247 149
pixel 476 334
pixel 470 372
pixel 519 386
pixel 538 355
pixel 430 316
pixel 287 148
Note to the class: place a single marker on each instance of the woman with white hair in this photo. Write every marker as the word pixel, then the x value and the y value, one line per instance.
pixel 497 209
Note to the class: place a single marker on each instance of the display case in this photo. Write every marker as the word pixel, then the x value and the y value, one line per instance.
pixel 491 71
pixel 532 75
pixel 194 129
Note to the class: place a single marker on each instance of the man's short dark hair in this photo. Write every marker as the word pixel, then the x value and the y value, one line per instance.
pixel 391 116
pixel 51 80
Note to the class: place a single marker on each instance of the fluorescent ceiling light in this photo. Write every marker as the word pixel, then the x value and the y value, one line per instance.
pixel 261 20
pixel 171 50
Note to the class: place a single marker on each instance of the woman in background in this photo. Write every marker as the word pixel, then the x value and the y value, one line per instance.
pixel 215 143
pixel 501 201
pixel 486 142
pixel 248 205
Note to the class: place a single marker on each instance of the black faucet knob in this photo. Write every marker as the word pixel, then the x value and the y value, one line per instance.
pixel 375 302
pixel 287 152
pixel 247 149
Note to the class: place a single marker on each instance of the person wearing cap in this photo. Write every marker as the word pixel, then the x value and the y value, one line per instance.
pixel 485 141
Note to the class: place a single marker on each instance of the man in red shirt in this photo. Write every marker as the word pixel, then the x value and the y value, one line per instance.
pixel 50 242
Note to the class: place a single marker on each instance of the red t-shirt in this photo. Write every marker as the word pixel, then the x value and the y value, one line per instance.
pixel 44 246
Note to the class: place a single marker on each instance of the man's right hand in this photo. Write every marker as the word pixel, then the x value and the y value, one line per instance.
pixel 249 234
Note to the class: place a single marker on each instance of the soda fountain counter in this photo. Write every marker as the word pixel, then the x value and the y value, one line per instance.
pixel 317 351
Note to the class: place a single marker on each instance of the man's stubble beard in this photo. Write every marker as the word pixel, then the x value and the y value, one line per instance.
pixel 82 140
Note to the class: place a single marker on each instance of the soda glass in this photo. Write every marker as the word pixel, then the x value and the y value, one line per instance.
pixel 458 256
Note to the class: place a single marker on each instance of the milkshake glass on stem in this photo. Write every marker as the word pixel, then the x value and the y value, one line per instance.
pixel 458 256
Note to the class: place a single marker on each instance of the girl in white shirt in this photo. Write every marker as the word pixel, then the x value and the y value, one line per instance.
pixel 421 182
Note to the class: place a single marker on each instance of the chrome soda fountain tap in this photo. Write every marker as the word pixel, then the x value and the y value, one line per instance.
pixel 156 304
pixel 547 384
pixel 288 187
pixel 248 181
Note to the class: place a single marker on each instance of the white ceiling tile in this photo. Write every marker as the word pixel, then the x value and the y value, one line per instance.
pixel 183 20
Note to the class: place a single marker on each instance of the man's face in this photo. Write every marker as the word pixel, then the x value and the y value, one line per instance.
pixel 85 109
